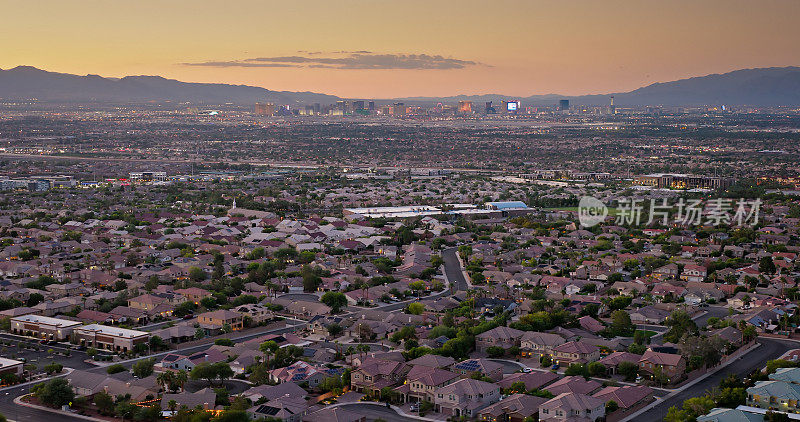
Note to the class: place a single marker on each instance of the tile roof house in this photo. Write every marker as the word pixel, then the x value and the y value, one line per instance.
pixel 532 380
pixel 535 344
pixel 335 414
pixel 626 396
pixel 575 352
pixel 612 361
pixel 573 384
pixel 514 408
pixel 423 382
pixel 300 372
pixel 374 374
pixel 285 408
pixel 484 367
pixel 571 406
pixel 465 397
pixel 671 365
pixel 720 414
pixel 504 337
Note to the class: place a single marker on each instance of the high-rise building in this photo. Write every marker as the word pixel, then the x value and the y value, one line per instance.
pixel 399 109
pixel 265 109
pixel 372 106
pixel 613 108
pixel 358 105
pixel 488 109
pixel 563 105
pixel 465 107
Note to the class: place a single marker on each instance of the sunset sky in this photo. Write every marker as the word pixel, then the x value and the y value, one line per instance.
pixel 385 48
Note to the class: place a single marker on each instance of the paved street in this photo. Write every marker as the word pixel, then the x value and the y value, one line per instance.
pixel 453 269
pixel 756 359
pixel 375 411
pixel 711 311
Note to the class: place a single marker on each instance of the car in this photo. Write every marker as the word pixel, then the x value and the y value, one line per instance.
pixel 188 316
pixel 555 367
pixel 527 370
pixel 639 378
pixel 414 407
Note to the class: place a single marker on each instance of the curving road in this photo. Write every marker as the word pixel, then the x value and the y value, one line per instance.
pixel 756 359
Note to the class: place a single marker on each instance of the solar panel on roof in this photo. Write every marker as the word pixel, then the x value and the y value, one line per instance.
pixel 267 410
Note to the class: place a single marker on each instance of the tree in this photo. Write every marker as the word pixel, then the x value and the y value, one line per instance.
pixel 156 343
pixel 53 368
pixel 771 416
pixel 336 301
pixel 115 368
pixel 197 275
pixel 596 369
pixel 576 369
pixel 205 371
pixel 495 351
pixel 680 323
pixel 415 308
pixel 125 409
pixel 165 380
pixel 104 403
pixel 628 369
pixel 223 370
pixel 232 416
pixel 311 280
pixel 621 324
pixel 611 406
pixel 268 348
pixel 143 368
pixel 54 393
pixel 365 332
pixel 334 329
pixel 766 265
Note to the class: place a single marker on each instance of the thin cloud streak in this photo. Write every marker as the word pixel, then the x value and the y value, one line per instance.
pixel 358 60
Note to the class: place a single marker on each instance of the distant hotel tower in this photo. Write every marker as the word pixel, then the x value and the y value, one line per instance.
pixel 563 105
pixel 265 109
pixel 465 107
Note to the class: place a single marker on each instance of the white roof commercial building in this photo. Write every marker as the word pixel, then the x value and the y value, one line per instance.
pixel 43 327
pixel 110 338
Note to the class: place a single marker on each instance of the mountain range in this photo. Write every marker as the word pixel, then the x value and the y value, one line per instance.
pixel 775 86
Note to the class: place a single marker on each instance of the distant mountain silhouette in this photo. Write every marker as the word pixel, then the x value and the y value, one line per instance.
pixel 25 82
pixel 777 86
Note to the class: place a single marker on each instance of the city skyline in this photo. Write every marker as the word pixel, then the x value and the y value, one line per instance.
pixel 383 50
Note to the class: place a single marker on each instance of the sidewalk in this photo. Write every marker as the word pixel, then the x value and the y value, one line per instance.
pixel 19 402
pixel 739 353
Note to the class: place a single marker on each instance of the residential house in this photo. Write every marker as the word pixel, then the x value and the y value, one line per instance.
pixel 465 397
pixel 504 337
pixel 572 407
pixel 671 365
pixel 575 352
pixel 514 408
pixel 535 344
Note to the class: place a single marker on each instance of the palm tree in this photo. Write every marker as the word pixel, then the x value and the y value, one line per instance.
pixel 362 348
pixel 268 348
pixel 172 404
pixel 181 378
pixel 166 380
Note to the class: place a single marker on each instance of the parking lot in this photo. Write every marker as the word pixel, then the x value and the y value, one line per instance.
pixel 33 352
